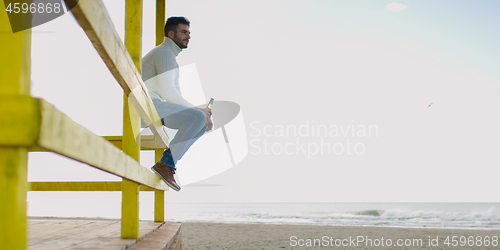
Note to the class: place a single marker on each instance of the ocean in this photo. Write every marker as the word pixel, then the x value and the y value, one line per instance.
pixel 481 216
pixel 412 215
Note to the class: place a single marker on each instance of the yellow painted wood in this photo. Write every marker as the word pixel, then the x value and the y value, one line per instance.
pixel 131 139
pixel 35 148
pixel 15 58
pixel 131 122
pixel 133 30
pixel 145 140
pixel 159 194
pixel 60 134
pixel 115 140
pixel 130 190
pixel 130 210
pixel 158 154
pixel 75 186
pixel 159 206
pixel 15 61
pixel 160 21
pixel 19 119
pixel 94 19
pixel 13 187
pixel 80 186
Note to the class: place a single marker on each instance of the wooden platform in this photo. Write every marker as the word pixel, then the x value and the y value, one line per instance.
pixel 58 233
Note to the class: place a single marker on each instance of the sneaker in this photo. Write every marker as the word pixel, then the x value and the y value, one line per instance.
pixel 167 175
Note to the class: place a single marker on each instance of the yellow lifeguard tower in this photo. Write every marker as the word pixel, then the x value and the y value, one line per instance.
pixel 31 124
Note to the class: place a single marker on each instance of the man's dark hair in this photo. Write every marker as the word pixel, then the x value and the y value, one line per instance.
pixel 172 23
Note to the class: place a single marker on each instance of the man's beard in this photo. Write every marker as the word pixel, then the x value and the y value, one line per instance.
pixel 180 44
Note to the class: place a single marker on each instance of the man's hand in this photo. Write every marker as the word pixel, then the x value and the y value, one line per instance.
pixel 208 114
pixel 209 124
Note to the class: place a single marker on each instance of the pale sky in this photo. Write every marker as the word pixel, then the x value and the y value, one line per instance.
pixel 336 64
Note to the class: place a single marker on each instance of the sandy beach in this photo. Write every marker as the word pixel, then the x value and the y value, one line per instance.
pixel 264 236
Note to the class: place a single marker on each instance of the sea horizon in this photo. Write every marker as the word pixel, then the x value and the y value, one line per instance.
pixel 446 215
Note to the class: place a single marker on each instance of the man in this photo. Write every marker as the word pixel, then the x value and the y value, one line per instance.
pixel 160 73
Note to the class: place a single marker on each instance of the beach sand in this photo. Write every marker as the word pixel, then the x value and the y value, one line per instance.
pixel 197 236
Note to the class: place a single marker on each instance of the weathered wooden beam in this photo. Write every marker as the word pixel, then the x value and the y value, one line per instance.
pixel 36 123
pixel 115 140
pixel 95 21
pixel 145 141
pixel 79 186
pixel 60 134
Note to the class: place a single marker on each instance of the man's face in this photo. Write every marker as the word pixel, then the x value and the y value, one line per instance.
pixel 182 36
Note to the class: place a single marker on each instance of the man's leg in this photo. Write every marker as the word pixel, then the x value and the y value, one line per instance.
pixel 167 174
pixel 193 140
pixel 190 123
pixel 167 158
pixel 188 132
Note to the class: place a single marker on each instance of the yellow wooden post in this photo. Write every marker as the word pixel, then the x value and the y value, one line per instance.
pixel 159 206
pixel 131 122
pixel 15 66
pixel 13 187
pixel 160 34
pixel 160 21
pixel 159 194
pixel 15 60
pixel 130 210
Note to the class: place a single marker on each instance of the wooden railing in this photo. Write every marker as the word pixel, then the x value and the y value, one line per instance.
pixel 31 124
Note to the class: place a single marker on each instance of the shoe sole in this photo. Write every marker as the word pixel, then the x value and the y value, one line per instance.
pixel 168 184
